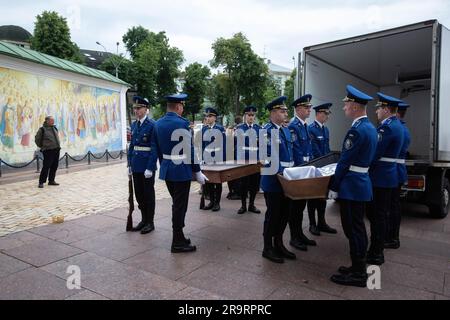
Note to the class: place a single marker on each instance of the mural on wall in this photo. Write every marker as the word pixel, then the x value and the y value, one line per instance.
pixel 87 118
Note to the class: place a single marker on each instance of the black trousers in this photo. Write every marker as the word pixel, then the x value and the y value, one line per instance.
pixel 320 205
pixel 395 216
pixel 179 191
pixel 51 162
pixel 377 212
pixel 296 218
pixel 277 214
pixel 215 192
pixel 234 186
pixel 352 218
pixel 144 189
pixel 250 186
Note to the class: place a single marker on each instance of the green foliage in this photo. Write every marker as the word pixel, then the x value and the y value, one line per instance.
pixel 247 73
pixel 289 87
pixel 52 36
pixel 196 85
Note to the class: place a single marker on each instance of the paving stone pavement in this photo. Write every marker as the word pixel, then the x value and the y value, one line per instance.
pixel 24 206
pixel 115 264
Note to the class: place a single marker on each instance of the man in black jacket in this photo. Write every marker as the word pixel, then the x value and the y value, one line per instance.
pixel 48 141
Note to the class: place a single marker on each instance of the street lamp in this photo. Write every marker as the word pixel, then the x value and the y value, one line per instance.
pixel 116 65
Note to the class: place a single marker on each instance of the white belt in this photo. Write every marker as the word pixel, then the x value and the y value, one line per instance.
pixel 359 169
pixel 401 161
pixel 213 150
pixel 142 148
pixel 174 157
pixel 251 148
pixel 392 160
pixel 287 164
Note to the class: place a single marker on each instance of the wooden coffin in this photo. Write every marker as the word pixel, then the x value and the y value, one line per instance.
pixel 220 173
pixel 313 188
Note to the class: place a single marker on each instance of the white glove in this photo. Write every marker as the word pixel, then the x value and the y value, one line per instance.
pixel 148 174
pixel 201 178
pixel 332 195
pixel 129 172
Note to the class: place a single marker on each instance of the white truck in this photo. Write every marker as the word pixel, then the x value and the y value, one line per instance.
pixel 411 63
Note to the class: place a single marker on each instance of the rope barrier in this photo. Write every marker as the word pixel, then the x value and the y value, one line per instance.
pixel 66 156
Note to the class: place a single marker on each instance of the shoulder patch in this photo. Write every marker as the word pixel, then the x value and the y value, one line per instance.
pixel 348 144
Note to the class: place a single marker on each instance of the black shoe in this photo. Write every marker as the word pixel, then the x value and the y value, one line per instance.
pixel 148 228
pixel 327 229
pixel 354 279
pixel 253 209
pixel 182 248
pixel 242 210
pixel 41 185
pixel 313 229
pixel 216 207
pixel 307 241
pixel 53 183
pixel 392 244
pixel 285 253
pixel 187 240
pixel 209 206
pixel 272 255
pixel 297 244
pixel 376 259
pixel 139 227
pixel 345 270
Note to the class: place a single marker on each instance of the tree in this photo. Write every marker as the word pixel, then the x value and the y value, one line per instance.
pixel 157 62
pixel 52 36
pixel 289 87
pixel 247 72
pixel 196 84
pixel 218 93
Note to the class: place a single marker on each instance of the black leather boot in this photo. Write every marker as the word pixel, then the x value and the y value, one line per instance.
pixel 141 224
pixel 243 208
pixel 281 249
pixel 251 206
pixel 323 226
pixel 357 276
pixel 269 252
pixel 179 243
pixel 305 240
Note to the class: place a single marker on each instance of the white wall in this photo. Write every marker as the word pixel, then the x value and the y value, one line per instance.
pixel 328 84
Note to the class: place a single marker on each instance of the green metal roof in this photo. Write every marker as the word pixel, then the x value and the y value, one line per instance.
pixel 48 60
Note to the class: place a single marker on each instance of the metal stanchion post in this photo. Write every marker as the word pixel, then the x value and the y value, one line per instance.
pixel 107 154
pixel 67 160
pixel 89 157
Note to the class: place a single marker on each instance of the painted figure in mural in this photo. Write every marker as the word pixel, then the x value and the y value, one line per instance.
pixel 104 115
pixel 114 115
pixel 93 123
pixel 26 119
pixel 71 125
pixel 81 124
pixel 7 125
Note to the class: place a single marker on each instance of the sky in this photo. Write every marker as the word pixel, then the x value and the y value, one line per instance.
pixel 277 29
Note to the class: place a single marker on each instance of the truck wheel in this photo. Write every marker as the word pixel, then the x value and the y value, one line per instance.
pixel 441 211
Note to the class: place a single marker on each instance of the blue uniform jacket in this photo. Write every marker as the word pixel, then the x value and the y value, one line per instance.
pixel 320 140
pixel 247 148
pixel 162 146
pixel 302 142
pixel 358 150
pixel 402 172
pixel 207 147
pixel 384 174
pixel 139 160
pixel 270 183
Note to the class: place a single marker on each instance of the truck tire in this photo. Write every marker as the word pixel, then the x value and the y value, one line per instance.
pixel 440 211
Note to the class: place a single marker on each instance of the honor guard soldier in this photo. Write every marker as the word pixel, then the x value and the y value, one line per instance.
pixel 139 164
pixel 175 167
pixel 250 184
pixel 302 153
pixel 277 213
pixel 384 174
pixel 352 186
pixel 218 152
pixel 320 138
pixel 393 224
